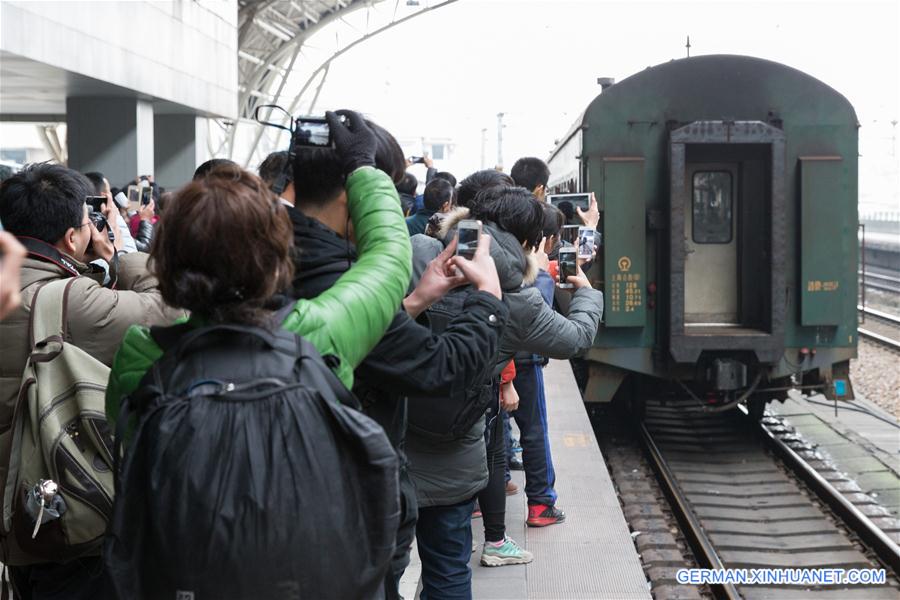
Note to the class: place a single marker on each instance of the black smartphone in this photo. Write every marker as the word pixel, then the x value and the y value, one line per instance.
pixel 312 131
pixel 568 265
pixel 146 195
pixel 414 160
pixel 95 202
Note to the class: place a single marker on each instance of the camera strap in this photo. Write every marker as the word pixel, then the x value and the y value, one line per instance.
pixel 44 251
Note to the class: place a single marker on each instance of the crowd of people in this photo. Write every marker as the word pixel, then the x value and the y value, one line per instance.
pixel 276 383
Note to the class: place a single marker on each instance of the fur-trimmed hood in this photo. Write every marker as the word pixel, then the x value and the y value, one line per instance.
pixel 515 267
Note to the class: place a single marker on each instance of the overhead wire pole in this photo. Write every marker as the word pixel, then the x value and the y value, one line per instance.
pixel 500 141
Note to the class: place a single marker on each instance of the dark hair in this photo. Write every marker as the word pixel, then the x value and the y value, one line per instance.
pixel 96 178
pixel 446 176
pixel 554 219
pixel 512 209
pixel 43 201
pixel 319 174
pixel 530 172
pixel 389 155
pixel 437 193
pixel 196 260
pixel 273 166
pixel 408 184
pixel 567 209
pixel 211 164
pixel 478 181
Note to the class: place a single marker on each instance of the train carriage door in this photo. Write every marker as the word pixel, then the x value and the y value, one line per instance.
pixel 711 245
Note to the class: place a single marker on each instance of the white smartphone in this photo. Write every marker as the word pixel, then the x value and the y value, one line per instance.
pixel 568 235
pixel 469 234
pixel 582 201
pixel 567 265
pixel 586 243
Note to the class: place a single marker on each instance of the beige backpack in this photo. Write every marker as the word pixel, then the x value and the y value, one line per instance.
pixel 58 494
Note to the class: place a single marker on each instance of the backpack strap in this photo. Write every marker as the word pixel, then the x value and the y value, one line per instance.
pixel 49 312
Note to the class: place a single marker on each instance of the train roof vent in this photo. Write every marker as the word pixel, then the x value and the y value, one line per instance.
pixel 605 82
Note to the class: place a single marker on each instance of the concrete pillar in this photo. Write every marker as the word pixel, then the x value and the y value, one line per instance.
pixel 111 135
pixel 180 148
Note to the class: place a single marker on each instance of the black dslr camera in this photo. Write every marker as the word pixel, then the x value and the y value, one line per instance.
pixel 305 131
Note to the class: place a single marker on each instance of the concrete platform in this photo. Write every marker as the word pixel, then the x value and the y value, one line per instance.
pixel 592 554
pixel 859 440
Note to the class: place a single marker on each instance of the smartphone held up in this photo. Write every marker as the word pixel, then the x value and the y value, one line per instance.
pixel 567 266
pixel 469 233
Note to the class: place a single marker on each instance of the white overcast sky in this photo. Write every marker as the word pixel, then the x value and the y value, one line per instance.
pixel 449 72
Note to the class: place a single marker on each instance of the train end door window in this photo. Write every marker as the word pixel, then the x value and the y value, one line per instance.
pixel 713 210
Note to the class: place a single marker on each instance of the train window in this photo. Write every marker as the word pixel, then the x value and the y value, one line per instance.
pixel 712 208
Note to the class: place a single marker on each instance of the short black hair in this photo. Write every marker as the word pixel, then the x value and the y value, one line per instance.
pixel 554 219
pixel 319 174
pixel 408 184
pixel 213 163
pixel 567 209
pixel 273 167
pixel 96 178
pixel 43 201
pixel 446 176
pixel 437 193
pixel 478 181
pixel 514 210
pixel 530 172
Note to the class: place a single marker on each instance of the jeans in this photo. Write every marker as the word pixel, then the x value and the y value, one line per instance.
pixel 444 537
pixel 507 429
pixel 531 417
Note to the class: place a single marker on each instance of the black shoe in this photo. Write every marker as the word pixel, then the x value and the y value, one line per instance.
pixel 515 463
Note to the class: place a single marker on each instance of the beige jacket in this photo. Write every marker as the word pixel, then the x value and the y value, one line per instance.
pixel 97 318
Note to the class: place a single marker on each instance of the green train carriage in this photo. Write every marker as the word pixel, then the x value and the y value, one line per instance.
pixel 728 194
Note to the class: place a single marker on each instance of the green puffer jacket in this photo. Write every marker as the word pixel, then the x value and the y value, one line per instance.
pixel 348 319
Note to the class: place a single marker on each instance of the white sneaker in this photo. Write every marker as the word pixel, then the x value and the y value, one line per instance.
pixel 509 553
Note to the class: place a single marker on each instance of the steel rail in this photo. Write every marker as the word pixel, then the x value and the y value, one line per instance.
pixel 876 337
pixel 878 314
pixel 885 288
pixel 870 274
pixel 700 543
pixel 883 546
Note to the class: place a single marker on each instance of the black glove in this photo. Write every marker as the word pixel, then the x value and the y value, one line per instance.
pixel 354 141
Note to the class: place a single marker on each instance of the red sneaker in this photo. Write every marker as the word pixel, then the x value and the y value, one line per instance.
pixel 541 515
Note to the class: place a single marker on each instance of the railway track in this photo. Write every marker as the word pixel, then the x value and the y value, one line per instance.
pixel 746 500
pixel 880 281
pixel 880 327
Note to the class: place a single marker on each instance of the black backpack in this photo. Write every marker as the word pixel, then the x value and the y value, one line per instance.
pixel 249 474
pixel 451 418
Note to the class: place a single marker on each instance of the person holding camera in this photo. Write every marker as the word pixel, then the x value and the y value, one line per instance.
pixel 44 206
pixel 514 219
pixel 409 361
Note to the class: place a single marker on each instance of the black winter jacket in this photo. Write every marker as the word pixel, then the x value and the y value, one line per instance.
pixel 144 236
pixel 409 359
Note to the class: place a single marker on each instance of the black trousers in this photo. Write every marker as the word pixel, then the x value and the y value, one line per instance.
pixel 80 579
pixel 492 499
pixel 409 514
